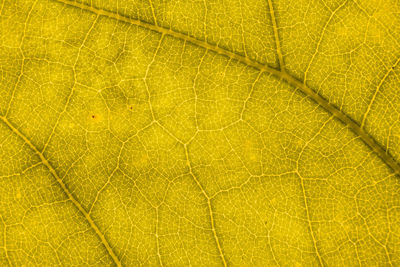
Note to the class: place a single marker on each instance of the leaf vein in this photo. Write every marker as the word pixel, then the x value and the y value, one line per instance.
pixel 320 100
pixel 65 189
pixel 276 35
pixel 376 92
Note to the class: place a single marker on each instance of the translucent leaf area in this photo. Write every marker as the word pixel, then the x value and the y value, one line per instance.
pixel 199 133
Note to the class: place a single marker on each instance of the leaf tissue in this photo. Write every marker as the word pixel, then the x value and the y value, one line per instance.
pixel 199 133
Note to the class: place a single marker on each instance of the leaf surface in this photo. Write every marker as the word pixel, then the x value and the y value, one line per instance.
pixel 202 133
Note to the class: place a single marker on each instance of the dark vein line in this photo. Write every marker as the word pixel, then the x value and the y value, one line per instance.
pixel 276 35
pixel 347 120
pixel 282 68
pixel 321 101
pixel 64 188
pixel 170 32
pixel 324 103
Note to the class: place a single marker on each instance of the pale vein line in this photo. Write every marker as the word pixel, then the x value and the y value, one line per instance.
pixel 147 73
pixel 378 21
pixel 279 73
pixel 314 240
pixel 73 86
pixel 348 121
pixel 242 28
pixel 170 32
pixel 205 20
pixel 108 180
pixel 23 60
pixel 387 238
pixel 65 189
pixel 153 12
pixel 340 115
pixel 377 91
pixel 320 39
pixel 250 93
pixel 276 34
pixel 387 254
pixel 5 240
pixel 2 7
pixel 157 237
pixel 209 206
pixel 194 88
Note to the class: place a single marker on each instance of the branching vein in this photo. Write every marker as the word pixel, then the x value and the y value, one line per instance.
pixel 276 34
pixel 339 114
pixel 64 188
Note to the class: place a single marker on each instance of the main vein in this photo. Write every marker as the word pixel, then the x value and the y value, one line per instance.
pixel 324 103
pixel 65 189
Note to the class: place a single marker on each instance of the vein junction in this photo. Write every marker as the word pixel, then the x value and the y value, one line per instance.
pixel 279 73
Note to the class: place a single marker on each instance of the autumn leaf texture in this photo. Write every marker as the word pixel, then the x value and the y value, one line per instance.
pixel 199 133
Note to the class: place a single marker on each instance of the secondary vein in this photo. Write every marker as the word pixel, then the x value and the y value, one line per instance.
pixel 64 188
pixel 324 103
pixel 276 34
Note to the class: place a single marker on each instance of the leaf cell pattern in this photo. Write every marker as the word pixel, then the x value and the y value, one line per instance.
pixel 199 133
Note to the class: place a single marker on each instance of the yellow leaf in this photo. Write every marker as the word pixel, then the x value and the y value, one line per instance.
pixel 199 133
